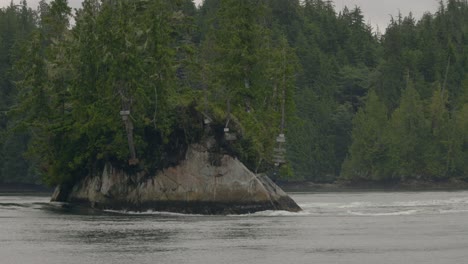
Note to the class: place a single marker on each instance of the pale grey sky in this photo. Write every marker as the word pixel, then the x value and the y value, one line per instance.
pixel 33 3
pixel 377 12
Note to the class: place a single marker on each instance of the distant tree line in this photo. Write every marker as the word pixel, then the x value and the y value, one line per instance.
pixel 359 105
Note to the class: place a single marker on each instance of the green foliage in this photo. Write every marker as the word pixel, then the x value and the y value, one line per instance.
pixel 458 147
pixel 353 104
pixel 407 133
pixel 119 56
pixel 369 150
pixel 16 23
pixel 248 69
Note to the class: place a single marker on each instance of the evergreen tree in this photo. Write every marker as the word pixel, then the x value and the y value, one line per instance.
pixel 257 68
pixel 369 151
pixel 16 23
pixel 408 133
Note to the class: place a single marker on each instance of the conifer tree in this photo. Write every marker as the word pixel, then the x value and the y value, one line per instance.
pixel 408 132
pixel 369 151
pixel 16 24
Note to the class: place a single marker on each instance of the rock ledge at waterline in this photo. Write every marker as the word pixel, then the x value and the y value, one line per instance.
pixel 194 186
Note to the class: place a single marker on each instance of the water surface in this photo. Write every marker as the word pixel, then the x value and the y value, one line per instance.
pixel 367 227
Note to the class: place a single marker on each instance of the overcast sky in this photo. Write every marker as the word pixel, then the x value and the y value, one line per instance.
pixel 377 12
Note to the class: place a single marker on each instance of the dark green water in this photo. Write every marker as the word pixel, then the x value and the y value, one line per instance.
pixel 370 227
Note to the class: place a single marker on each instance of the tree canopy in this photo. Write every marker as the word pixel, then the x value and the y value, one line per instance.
pixel 135 82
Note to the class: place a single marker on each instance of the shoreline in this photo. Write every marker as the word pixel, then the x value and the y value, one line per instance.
pixel 24 188
pixel 409 186
pixel 301 186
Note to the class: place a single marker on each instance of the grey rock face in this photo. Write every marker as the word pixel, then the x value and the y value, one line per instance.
pixel 197 185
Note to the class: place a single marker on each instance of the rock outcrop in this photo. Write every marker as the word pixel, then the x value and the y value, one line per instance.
pixel 203 183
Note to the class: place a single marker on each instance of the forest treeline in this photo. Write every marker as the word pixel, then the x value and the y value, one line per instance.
pixel 359 105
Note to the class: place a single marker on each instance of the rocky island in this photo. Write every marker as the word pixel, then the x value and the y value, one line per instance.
pixel 205 182
pixel 131 109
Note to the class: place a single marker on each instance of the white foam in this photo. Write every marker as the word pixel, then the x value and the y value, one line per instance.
pixel 315 205
pixel 407 212
pixel 11 207
pixel 261 213
pixel 280 213
pixel 451 201
pixel 453 211
pixel 357 208
pixel 150 212
pixel 358 204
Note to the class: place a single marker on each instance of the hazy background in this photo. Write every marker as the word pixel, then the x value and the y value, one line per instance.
pixel 377 12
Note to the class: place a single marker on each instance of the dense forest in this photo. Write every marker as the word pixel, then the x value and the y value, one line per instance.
pixel 120 80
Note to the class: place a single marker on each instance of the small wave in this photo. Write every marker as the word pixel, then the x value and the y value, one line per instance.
pixel 407 212
pixel 13 205
pixel 313 205
pixel 357 205
pixel 123 212
pixel 452 201
pixel 407 204
pixel 453 211
pixel 261 213
pixel 280 213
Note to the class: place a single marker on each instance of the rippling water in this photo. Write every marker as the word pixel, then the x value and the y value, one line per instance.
pixel 370 227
